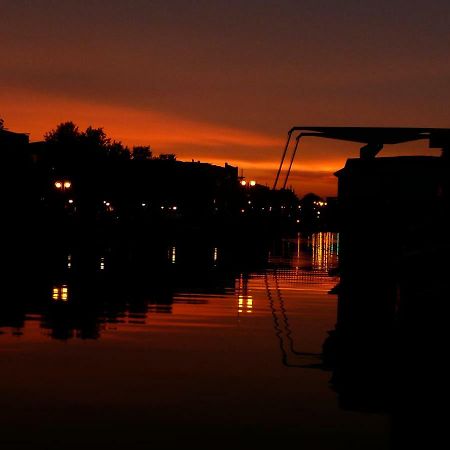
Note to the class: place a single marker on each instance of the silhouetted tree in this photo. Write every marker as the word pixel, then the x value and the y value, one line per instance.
pixel 2 124
pixel 168 157
pixel 66 133
pixel 310 198
pixel 78 145
pixel 95 138
pixel 116 150
pixel 142 152
pixel 309 217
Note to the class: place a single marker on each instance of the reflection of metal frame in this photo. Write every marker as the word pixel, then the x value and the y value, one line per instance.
pixel 283 330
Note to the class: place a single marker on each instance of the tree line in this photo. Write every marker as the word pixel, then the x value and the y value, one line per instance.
pixel 68 136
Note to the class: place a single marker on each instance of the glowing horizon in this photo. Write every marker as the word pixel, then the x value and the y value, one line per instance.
pixel 224 80
pixel 37 113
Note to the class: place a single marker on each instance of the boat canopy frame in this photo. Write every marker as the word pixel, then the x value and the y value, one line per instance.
pixel 373 138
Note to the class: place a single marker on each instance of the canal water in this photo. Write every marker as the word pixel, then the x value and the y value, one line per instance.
pixel 186 344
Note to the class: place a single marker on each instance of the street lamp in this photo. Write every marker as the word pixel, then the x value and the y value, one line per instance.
pixel 62 185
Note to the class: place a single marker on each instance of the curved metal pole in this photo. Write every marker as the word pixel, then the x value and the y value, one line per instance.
pixel 282 159
pixel 293 155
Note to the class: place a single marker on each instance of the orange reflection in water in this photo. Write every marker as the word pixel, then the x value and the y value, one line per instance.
pixel 245 300
pixel 325 248
pixel 60 293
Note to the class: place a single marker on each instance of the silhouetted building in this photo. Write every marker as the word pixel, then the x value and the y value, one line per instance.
pixel 394 221
pixel 12 139
pixel 390 206
pixel 76 186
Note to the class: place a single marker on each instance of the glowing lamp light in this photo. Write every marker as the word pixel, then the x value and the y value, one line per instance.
pixel 243 183
pixel 252 183
pixel 70 201
pixel 62 184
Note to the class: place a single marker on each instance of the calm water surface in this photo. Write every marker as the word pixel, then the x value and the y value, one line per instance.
pixel 187 350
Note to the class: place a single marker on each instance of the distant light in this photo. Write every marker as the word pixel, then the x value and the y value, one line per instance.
pixel 249 202
pixel 70 201
pixel 162 207
pixel 298 220
pixel 242 210
pixel 67 184
pixel 243 183
pixel 174 208
pixel 58 184
pixel 144 204
pixel 108 204
pixel 104 202
pixel 252 182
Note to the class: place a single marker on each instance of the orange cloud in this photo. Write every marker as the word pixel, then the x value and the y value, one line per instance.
pixel 37 113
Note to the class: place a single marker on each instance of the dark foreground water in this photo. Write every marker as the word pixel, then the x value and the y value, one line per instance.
pixel 199 346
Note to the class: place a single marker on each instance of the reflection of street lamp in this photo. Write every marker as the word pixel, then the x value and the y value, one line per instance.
pixel 60 293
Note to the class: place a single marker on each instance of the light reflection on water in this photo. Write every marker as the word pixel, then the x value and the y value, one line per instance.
pixel 190 340
pixel 60 293
pixel 298 264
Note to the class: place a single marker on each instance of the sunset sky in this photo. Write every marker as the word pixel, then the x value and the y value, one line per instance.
pixel 223 81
